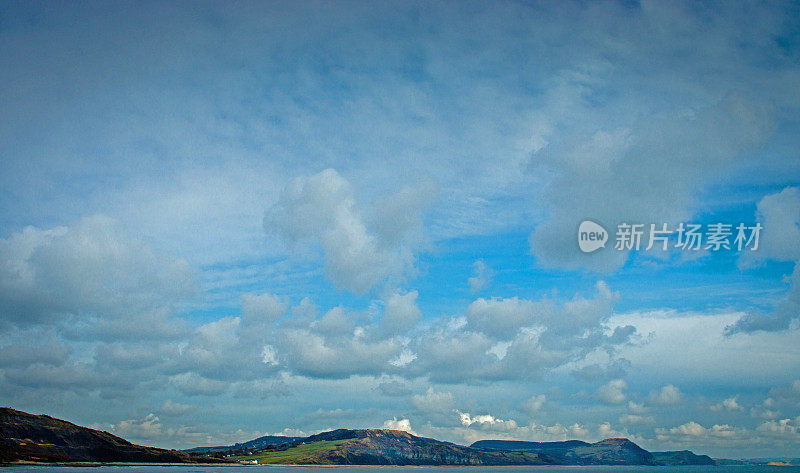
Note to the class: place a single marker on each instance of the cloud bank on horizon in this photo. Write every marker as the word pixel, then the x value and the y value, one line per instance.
pixel 218 222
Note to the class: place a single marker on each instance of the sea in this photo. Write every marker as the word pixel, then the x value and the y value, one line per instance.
pixel 397 469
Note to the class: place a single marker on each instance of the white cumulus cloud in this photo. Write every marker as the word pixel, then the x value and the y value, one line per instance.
pixel 359 254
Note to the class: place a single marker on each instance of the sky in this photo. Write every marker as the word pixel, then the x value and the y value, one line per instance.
pixel 225 220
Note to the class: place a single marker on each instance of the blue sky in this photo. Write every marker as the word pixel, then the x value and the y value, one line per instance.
pixel 224 220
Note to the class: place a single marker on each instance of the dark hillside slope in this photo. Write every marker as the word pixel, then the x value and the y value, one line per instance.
pixel 40 438
pixel 261 442
pixel 682 457
pixel 575 452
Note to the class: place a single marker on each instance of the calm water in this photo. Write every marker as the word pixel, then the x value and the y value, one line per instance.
pixel 403 469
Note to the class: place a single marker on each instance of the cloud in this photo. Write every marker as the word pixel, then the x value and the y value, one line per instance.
pixel 612 392
pixel 149 429
pixel 400 315
pixel 577 431
pixel 337 321
pixel 686 346
pixel 398 217
pixel 595 371
pixel 604 430
pixel 322 209
pixel 393 388
pixel 645 173
pixel 514 338
pixel 242 348
pixel 454 355
pixel 501 318
pixel 263 308
pixel 261 389
pixel 216 352
pixel 783 426
pixel 533 404
pixel 635 419
pixel 486 421
pixel 770 432
pixel 498 339
pixel 269 356
pixel 434 402
pixel 91 270
pixel 192 384
pixel 668 395
pixel 404 358
pixel 637 408
pixel 481 276
pixel 471 428
pixel 730 404
pixel 693 429
pixel 780 214
pixel 49 351
pixel 171 408
pixel 399 424
pixel 73 377
pixel 315 355
pixel 563 323
pixel 535 336
pixel 130 356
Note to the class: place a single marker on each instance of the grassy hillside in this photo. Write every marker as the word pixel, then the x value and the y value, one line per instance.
pixel 299 454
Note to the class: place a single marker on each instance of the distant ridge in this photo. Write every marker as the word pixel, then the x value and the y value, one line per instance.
pixel 28 438
pixel 255 444
pixel 614 451
pixel 682 457
pixel 393 447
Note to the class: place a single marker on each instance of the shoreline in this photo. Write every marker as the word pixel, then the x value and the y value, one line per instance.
pixel 97 464
pixel 244 465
